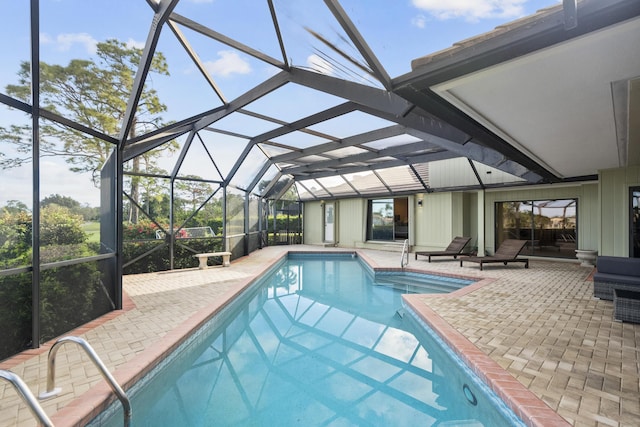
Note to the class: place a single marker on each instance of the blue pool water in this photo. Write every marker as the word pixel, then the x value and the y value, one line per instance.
pixel 318 342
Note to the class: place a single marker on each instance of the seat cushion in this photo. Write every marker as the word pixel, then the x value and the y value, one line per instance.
pixel 616 278
pixel 618 265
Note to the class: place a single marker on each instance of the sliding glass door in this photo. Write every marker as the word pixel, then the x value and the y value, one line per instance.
pixel 388 219
pixel 548 226
pixel 634 219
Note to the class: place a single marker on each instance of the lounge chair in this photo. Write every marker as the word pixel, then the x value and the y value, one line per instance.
pixel 455 247
pixel 506 253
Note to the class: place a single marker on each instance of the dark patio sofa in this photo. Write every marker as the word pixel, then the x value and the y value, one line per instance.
pixel 615 273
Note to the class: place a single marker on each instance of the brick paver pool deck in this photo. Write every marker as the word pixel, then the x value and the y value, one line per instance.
pixel 541 325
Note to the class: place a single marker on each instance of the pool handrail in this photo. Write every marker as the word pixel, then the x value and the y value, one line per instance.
pixel 51 372
pixel 405 254
pixel 28 397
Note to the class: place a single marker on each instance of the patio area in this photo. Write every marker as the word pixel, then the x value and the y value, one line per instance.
pixel 542 325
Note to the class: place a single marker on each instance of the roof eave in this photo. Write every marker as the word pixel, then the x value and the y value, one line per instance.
pixel 538 31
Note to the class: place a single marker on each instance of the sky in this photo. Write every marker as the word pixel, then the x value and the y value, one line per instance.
pixel 397 31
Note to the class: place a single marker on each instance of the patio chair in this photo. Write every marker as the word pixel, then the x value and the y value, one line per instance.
pixel 454 249
pixel 506 253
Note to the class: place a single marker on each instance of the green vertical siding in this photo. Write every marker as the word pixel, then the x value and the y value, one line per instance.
pixel 470 221
pixel 313 223
pixel 612 203
pixel 434 221
pixel 589 218
pixel 602 215
pixel 352 222
pixel 457 214
pixel 614 219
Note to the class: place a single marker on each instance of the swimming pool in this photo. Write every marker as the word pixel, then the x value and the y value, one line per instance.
pixel 317 341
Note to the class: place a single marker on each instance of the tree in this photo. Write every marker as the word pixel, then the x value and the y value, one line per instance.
pixel 93 93
pixel 193 191
pixel 87 212
pixel 15 206
pixel 57 199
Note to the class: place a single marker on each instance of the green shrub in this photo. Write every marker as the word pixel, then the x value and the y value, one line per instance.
pixel 15 239
pixel 15 313
pixel 70 296
pixel 284 222
pixel 58 226
pixel 143 230
pixel 158 260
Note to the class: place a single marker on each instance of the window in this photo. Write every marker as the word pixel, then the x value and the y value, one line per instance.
pixel 388 219
pixel 549 226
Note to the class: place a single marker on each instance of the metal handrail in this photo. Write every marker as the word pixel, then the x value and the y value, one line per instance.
pixel 27 396
pixel 51 373
pixel 405 253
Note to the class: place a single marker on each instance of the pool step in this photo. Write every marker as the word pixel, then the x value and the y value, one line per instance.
pixel 420 283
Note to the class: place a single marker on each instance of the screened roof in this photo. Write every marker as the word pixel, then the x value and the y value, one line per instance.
pixel 321 97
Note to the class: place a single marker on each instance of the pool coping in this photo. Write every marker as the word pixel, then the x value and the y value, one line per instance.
pixel 127 304
pixel 83 409
pixel 532 410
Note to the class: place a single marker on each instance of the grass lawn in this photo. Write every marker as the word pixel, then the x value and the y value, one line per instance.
pixel 93 231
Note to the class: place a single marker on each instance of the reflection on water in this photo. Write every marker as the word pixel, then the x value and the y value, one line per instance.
pixel 319 344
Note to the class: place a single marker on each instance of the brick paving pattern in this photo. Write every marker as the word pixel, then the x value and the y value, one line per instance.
pixel 542 325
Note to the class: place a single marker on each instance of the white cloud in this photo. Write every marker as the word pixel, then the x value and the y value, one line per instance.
pixel 419 21
pixel 320 65
pixel 72 184
pixel 17 185
pixel 228 63
pixel 64 42
pixel 45 38
pixel 472 10
pixel 399 344
pixel 134 43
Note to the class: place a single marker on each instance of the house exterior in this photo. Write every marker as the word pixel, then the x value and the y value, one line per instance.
pixel 565 97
